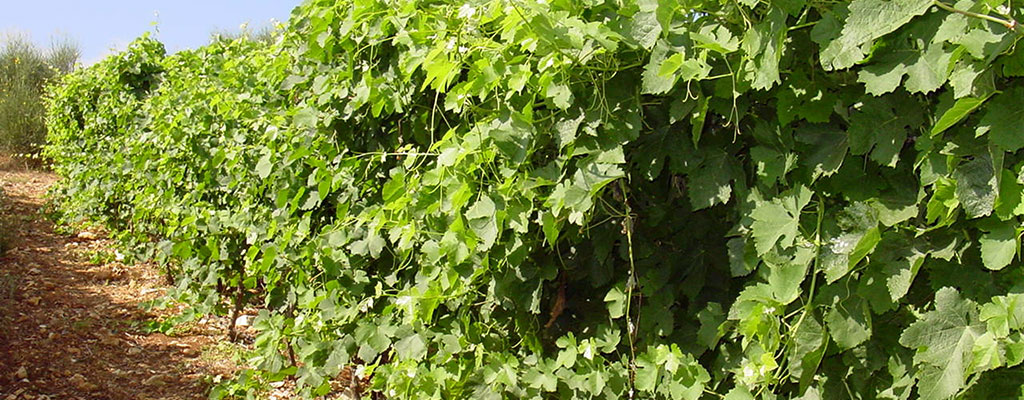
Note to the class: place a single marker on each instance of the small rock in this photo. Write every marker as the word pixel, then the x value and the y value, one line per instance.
pixel 22 373
pixel 155 380
pixel 134 351
pixel 110 340
pixel 86 235
pixel 79 382
pixel 243 321
pixel 14 396
pixel 105 275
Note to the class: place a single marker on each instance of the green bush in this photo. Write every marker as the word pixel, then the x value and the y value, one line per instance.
pixel 25 70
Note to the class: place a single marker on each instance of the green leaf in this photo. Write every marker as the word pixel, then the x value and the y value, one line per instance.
pixel 483 208
pixel 305 118
pixel 1004 314
pixel 825 151
pixel 710 183
pixel 929 70
pixel 647 372
pixel 697 118
pixel 715 37
pixel 943 340
pixel 550 226
pixel 986 354
pixel 616 302
pixel 960 110
pixel 849 322
pixel 778 221
pixel 742 257
pixel 411 348
pixel 976 186
pixel 879 128
pixel 541 377
pixel 711 319
pixel 868 20
pixel 263 167
pixel 645 29
pixel 799 97
pixel 998 244
pixel 395 187
pixel 806 348
pixel 512 136
pixel 560 94
pixel 785 278
pixel 1009 202
pixel 655 80
pixel 901 270
pixel 857 236
pixel 943 203
pixel 1002 120
pixel 772 166
pixel 764 45
pixel 739 393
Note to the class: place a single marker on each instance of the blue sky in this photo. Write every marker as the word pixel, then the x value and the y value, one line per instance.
pixel 101 25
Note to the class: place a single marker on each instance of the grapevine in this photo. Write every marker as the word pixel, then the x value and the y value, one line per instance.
pixel 556 199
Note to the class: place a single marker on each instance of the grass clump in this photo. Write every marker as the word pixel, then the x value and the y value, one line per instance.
pixel 25 71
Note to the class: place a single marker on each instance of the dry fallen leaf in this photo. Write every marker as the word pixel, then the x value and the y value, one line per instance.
pixel 22 373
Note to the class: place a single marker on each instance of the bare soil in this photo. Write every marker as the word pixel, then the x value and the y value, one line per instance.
pixel 70 316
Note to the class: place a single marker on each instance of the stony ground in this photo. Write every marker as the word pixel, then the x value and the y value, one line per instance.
pixel 71 326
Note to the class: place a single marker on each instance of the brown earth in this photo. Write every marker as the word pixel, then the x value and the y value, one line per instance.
pixel 71 326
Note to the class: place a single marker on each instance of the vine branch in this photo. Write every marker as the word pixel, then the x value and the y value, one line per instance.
pixel 1009 23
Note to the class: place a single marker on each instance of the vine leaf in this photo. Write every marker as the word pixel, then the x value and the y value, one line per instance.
pixel 263 167
pixel 765 42
pixel 1008 203
pixel 849 322
pixel 976 186
pixel 710 183
pixel 868 20
pixel 1002 120
pixel 786 276
pixel 778 221
pixel 799 97
pixel 998 244
pixel 826 149
pixel 1003 314
pixel 806 348
pixel 944 340
pixel 926 71
pixel 645 29
pixel 879 128
pixel 960 110
pixel 854 236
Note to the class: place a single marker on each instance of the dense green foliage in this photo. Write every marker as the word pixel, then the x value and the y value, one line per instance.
pixel 24 71
pixel 576 199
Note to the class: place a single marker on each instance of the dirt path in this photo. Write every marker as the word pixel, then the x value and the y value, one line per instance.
pixel 70 322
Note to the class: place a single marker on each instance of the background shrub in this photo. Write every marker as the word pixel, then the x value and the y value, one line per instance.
pixel 25 70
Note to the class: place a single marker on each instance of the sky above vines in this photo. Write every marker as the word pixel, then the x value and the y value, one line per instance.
pixel 101 26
